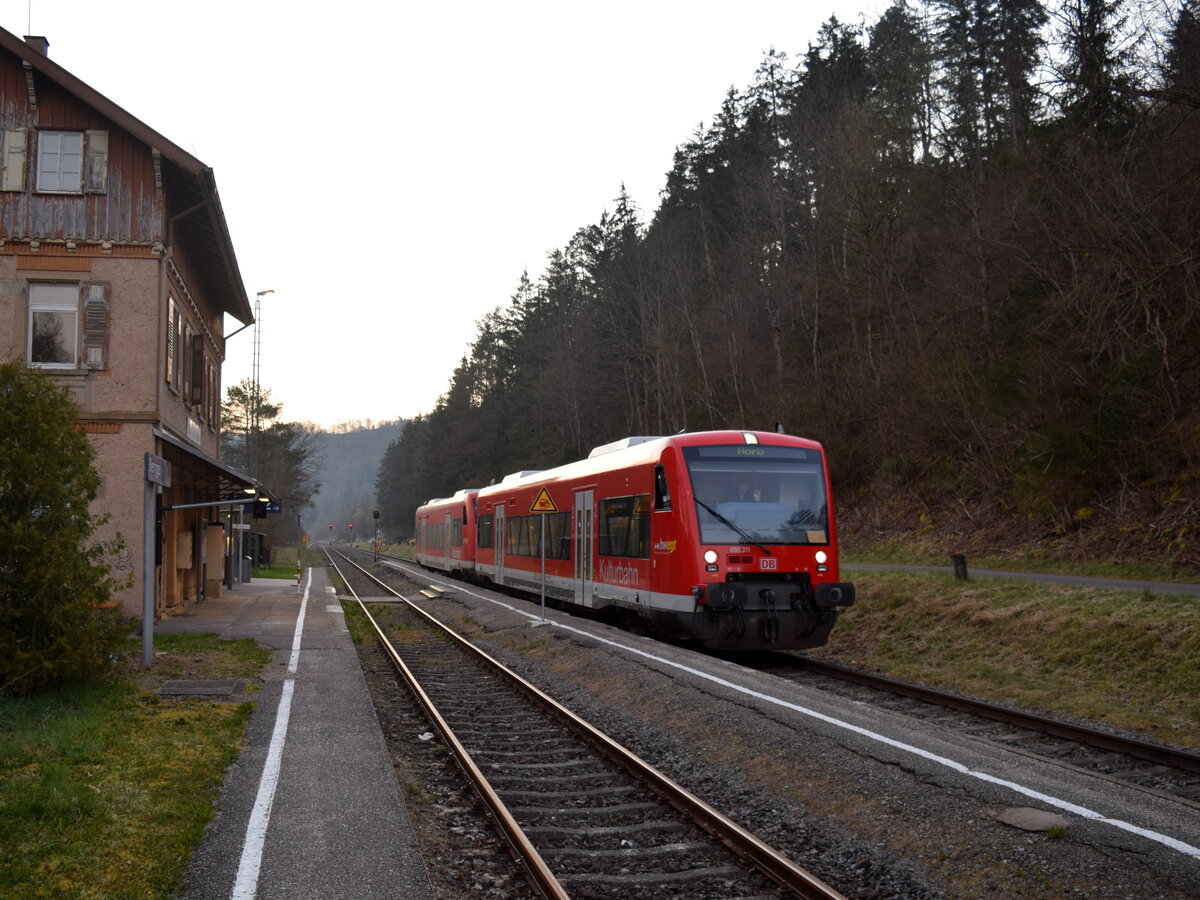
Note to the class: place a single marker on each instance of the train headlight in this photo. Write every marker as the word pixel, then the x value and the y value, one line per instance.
pixel 822 556
pixel 710 557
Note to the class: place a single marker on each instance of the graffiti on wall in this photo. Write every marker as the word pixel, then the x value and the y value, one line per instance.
pixel 116 555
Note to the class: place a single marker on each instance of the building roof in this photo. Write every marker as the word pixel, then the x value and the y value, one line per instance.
pixel 195 182
pixel 204 476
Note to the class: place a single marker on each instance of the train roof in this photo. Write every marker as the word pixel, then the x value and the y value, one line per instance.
pixel 633 451
pixel 622 444
pixel 459 497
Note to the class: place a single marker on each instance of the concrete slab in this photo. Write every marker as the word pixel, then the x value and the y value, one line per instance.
pixel 1030 819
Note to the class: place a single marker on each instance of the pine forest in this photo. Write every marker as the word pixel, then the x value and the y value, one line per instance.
pixel 957 245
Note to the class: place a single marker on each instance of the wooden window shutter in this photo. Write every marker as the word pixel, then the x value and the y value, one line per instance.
pixel 214 394
pixel 96 324
pixel 171 319
pixel 181 354
pixel 214 397
pixel 185 361
pixel 196 388
pixel 95 176
pixel 12 163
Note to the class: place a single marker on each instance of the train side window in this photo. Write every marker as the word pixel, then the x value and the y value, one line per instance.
pixel 524 536
pixel 662 493
pixel 485 526
pixel 558 535
pixel 625 527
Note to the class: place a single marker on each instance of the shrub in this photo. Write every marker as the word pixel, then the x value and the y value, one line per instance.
pixel 52 583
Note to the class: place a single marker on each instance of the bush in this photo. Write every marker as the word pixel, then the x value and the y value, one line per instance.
pixel 52 583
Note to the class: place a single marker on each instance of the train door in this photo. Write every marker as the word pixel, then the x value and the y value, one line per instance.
pixel 583 548
pixel 500 538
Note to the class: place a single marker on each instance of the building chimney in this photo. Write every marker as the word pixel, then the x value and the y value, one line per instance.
pixel 38 43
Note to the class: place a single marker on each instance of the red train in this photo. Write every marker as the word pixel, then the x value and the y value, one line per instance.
pixel 724 537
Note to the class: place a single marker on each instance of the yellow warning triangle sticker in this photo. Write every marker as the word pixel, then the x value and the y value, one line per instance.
pixel 543 503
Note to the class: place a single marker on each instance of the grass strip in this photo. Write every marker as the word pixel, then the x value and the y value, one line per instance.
pixel 1117 657
pixel 105 791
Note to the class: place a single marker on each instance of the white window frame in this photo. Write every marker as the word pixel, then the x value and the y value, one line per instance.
pixel 60 168
pixel 54 298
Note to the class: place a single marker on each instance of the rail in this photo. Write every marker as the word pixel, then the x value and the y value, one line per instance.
pixel 765 859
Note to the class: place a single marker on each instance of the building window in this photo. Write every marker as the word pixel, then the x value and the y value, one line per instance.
pixel 69 162
pixel 60 161
pixel 54 325
pixel 189 365
pixel 59 336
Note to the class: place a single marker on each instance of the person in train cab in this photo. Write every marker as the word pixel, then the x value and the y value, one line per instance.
pixel 747 492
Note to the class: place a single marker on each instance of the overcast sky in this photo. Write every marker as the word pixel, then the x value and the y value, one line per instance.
pixel 390 171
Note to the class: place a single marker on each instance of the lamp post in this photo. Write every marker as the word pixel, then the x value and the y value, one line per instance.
pixel 255 390
pixel 235 571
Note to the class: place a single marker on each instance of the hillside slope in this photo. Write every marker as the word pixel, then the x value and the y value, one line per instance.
pixel 347 472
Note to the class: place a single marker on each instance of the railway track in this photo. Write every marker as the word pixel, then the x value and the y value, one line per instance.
pixel 582 815
pixel 1162 770
pixel 1158 769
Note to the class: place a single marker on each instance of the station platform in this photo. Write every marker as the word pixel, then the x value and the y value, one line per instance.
pixel 311 808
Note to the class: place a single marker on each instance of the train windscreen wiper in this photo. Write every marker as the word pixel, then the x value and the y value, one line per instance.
pixel 725 521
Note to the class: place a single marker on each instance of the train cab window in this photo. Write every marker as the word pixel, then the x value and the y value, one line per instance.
pixel 772 495
pixel 662 493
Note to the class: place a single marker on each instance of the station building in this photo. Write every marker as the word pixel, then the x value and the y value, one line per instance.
pixel 116 273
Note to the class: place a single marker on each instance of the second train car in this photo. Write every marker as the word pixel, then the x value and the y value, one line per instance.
pixel 727 538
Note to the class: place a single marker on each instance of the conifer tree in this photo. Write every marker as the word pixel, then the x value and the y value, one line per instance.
pixel 1096 85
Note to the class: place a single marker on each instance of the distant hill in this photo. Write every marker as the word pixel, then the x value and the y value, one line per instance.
pixel 348 465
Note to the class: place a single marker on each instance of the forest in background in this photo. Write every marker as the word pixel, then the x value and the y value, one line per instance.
pixel 348 459
pixel 956 245
pixel 317 477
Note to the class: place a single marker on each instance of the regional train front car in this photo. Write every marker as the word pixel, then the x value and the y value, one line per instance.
pixel 723 537
pixel 759 528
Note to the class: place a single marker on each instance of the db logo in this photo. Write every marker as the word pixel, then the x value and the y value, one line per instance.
pixel 767 562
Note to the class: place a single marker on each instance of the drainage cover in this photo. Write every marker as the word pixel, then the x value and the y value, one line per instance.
pixel 199 687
